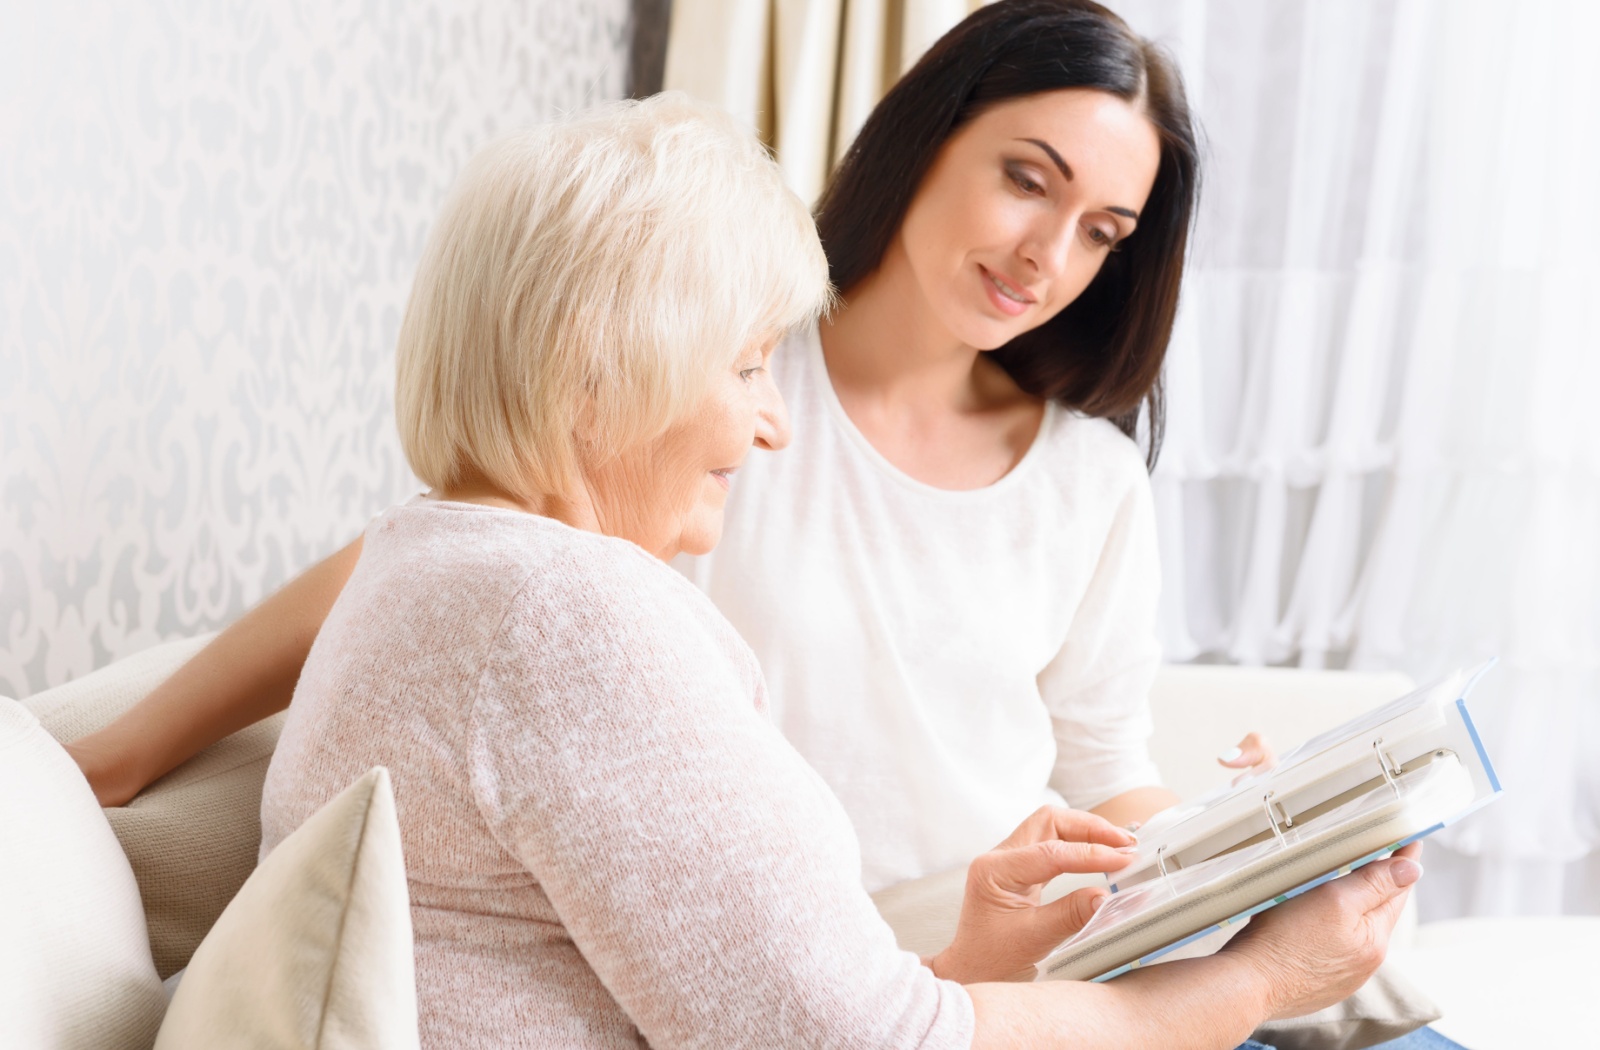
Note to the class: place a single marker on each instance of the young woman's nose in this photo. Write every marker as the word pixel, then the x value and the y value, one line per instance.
pixel 772 416
pixel 1049 247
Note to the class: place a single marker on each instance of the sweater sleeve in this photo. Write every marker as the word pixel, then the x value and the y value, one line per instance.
pixel 701 868
pixel 1097 688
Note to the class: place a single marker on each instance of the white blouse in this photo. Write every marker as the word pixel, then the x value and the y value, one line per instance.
pixel 946 660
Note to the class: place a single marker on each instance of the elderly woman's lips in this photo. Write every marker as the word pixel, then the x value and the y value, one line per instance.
pixel 724 477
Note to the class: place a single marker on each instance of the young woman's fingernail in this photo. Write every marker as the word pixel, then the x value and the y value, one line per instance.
pixel 1128 849
pixel 1135 826
pixel 1230 755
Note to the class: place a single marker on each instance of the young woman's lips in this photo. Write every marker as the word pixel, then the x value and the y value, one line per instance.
pixel 1002 302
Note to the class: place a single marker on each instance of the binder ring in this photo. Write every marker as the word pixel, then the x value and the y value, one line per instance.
pixel 1272 821
pixel 1161 861
pixel 1387 767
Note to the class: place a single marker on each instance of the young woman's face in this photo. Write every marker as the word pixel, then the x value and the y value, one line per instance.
pixel 1021 208
pixel 668 495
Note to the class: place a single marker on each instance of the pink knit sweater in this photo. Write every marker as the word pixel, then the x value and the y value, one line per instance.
pixel 607 842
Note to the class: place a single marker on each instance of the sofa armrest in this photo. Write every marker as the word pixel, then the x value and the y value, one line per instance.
pixel 85 705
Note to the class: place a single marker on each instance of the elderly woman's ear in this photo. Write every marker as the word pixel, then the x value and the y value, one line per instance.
pixel 587 433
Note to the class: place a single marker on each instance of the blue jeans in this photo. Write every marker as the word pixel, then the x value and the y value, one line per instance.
pixel 1421 1039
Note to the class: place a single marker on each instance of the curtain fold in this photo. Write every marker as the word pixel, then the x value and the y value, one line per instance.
pixel 804 73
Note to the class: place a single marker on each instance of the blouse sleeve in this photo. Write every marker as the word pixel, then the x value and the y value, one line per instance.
pixel 1097 688
pixel 703 870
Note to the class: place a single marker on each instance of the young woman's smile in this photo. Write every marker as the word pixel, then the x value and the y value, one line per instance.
pixel 1007 295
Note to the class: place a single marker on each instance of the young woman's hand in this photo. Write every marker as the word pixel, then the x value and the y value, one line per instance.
pixel 106 777
pixel 1003 928
pixel 1253 755
pixel 1319 948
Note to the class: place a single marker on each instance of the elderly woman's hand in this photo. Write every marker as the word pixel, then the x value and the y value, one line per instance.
pixel 1003 928
pixel 1317 949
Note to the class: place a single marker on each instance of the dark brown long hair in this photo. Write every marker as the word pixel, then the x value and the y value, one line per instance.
pixel 1102 354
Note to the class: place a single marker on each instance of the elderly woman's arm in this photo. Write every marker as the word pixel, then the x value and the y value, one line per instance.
pixel 247 673
pixel 1302 956
pixel 713 882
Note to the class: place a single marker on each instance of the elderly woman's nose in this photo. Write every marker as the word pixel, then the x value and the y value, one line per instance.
pixel 772 419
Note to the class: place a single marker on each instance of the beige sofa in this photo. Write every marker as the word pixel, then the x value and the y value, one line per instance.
pixel 191 839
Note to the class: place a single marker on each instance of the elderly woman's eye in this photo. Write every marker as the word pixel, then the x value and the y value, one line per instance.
pixel 747 373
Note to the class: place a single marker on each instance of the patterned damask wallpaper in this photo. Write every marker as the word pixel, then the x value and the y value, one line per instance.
pixel 209 217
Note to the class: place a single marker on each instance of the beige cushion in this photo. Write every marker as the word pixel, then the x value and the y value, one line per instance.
pixel 315 951
pixel 923 914
pixel 1511 983
pixel 192 836
pixel 75 967
pixel 1387 1007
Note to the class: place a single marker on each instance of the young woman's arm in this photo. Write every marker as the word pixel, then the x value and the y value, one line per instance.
pixel 247 673
pixel 1133 807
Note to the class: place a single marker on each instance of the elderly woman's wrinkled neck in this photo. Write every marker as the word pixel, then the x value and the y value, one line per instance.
pixel 475 488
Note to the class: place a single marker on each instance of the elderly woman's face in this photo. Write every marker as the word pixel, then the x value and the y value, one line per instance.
pixel 668 496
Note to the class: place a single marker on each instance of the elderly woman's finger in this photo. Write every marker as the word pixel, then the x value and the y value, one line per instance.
pixel 1020 869
pixel 1071 913
pixel 1070 825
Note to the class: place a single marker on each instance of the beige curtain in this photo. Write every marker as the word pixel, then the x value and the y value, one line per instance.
pixel 804 73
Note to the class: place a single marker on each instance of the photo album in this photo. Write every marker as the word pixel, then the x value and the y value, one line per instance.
pixel 1344 798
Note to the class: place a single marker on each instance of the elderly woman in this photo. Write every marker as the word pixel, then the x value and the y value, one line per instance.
pixel 606 839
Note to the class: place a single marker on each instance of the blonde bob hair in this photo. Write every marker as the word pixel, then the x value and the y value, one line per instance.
pixel 585 281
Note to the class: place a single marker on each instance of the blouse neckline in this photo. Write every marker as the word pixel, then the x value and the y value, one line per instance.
pixel 830 397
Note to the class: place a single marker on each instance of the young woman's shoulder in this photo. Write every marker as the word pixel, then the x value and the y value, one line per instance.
pixel 1087 450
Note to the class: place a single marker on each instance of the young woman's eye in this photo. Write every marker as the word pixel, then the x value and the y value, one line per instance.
pixel 1100 238
pixel 1020 179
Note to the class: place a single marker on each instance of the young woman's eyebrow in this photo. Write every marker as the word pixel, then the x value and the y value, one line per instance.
pixel 1066 173
pixel 1050 151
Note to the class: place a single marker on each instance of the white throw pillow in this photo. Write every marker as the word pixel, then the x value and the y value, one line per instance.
pixel 315 951
pixel 75 966
pixel 192 836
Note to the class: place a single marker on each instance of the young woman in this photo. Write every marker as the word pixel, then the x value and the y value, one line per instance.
pixel 950 578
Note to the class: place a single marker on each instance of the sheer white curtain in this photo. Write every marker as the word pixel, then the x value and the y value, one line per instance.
pixel 1383 450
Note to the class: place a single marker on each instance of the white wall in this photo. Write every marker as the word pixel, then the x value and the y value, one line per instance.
pixel 209 217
